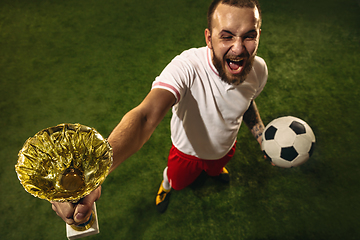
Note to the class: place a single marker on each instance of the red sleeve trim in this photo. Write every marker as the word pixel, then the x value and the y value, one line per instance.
pixel 161 84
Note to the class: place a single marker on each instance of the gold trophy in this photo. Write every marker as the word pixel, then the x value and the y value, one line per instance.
pixel 65 163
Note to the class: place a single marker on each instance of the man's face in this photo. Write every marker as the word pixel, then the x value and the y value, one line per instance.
pixel 234 41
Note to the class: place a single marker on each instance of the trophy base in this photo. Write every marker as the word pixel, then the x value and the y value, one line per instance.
pixel 90 230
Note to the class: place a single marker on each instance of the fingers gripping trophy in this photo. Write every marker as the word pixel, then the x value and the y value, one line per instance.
pixel 65 163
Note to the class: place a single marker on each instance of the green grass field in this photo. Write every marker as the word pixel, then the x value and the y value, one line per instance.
pixel 90 62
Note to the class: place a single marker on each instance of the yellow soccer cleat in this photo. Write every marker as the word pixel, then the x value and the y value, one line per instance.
pixel 224 176
pixel 162 198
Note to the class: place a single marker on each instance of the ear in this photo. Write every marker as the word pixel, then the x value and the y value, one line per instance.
pixel 208 38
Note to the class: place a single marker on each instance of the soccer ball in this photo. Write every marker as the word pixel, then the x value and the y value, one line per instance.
pixel 288 141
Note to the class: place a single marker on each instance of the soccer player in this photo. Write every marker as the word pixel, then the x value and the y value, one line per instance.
pixel 210 90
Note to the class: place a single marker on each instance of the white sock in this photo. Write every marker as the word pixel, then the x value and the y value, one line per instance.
pixel 166 184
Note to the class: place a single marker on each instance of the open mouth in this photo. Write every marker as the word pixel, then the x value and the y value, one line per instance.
pixel 235 65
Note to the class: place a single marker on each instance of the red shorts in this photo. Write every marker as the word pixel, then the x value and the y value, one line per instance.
pixel 183 169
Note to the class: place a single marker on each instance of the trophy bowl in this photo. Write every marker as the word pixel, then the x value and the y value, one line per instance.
pixel 64 163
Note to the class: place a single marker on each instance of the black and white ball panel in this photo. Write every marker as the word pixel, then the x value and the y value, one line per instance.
pixel 288 141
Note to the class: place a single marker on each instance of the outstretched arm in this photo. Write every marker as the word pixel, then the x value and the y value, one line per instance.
pixel 253 120
pixel 137 125
pixel 127 138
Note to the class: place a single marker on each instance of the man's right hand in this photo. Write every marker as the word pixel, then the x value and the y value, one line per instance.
pixel 75 214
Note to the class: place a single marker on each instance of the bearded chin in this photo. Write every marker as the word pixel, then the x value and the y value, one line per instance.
pixel 233 80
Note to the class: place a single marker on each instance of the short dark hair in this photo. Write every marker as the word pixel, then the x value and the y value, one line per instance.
pixel 235 3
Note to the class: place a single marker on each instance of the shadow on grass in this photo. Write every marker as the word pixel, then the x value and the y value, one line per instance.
pixel 205 185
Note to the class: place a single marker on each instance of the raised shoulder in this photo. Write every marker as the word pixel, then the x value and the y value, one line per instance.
pixel 260 67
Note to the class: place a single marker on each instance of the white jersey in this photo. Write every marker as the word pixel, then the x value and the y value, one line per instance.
pixel 208 112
